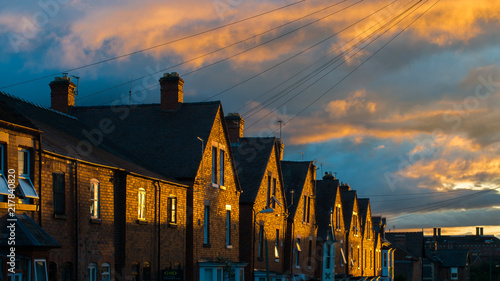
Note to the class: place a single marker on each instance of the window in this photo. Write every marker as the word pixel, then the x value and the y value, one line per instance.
pixel 106 272
pixel 142 204
pixel 276 244
pixel 273 203
pixel 328 256
pixel 208 274
pixel 40 270
pixel 304 213
pixel 135 271
pixel 92 271
pixel 228 227
pixel 454 273
pixel 268 200
pixel 308 208
pixel 297 253
pixel 221 167
pixel 261 241
pixel 58 188
pixel 206 226
pixel 309 260
pixel 4 187
pixel 337 216
pixel 66 272
pixel 358 261
pixel 94 198
pixel 384 260
pixel 172 209
pixel 25 185
pixel 214 165
pixel 355 223
pixel 146 271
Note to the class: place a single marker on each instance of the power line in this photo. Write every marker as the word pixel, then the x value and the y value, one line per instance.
pixel 215 51
pixel 295 55
pixel 326 92
pixel 330 62
pixel 356 68
pixel 156 46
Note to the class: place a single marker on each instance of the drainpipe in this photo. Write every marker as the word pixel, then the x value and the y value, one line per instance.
pixel 40 179
pixel 77 258
pixel 158 191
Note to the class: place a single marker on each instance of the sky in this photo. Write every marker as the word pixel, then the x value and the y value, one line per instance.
pixel 397 98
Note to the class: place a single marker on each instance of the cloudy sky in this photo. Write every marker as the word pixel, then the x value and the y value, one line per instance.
pixel 397 97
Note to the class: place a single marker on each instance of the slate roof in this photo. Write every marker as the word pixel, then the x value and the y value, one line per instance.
pixel 251 156
pixel 166 141
pixel 326 192
pixel 28 233
pixel 411 242
pixel 453 257
pixel 63 134
pixel 294 178
pixel 363 205
pixel 348 197
pixel 463 239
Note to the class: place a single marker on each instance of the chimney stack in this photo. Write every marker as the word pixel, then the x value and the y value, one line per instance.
pixel 328 176
pixel 477 231
pixel 62 94
pixel 235 126
pixel 172 93
pixel 481 231
pixel 439 231
pixel 435 231
pixel 281 148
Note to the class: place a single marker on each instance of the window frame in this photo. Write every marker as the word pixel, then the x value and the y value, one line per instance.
pixel 59 192
pixel 26 162
pixel 2 159
pixel 35 273
pixel 261 242
pixel 454 273
pixel 92 272
pixel 276 245
pixel 172 209
pixel 273 201
pixel 25 185
pixel 4 186
pixel 228 228
pixel 297 252
pixel 214 165
pixel 222 161
pixel 141 208
pixel 95 199
pixel 206 226
pixel 268 199
pixel 106 274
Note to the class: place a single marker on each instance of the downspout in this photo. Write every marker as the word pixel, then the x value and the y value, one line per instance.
pixel 40 179
pixel 252 254
pixel 76 218
pixel 291 250
pixel 158 191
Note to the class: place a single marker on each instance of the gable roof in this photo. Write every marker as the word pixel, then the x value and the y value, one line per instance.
pixel 453 257
pixel 251 156
pixel 166 141
pixel 294 178
pixel 326 195
pixel 65 135
pixel 363 205
pixel 348 198
pixel 411 242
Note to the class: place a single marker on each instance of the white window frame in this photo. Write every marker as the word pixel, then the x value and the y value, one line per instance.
pixel 454 273
pixel 35 261
pixel 92 272
pixel 106 272
pixel 26 186
pixel 94 198
pixel 141 209
pixel 228 227
pixel 172 211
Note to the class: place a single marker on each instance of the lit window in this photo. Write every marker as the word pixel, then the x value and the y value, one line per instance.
pixel 40 270
pixel 172 209
pixel 214 165
pixel 221 168
pixel 276 245
pixel 58 188
pixel 142 204
pixel 206 226
pixel 106 272
pixel 94 198
pixel 92 270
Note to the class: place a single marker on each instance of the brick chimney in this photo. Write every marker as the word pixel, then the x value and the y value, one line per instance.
pixel 235 126
pixel 172 93
pixel 62 94
pixel 281 147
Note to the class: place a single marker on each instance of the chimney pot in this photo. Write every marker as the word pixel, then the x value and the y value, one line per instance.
pixel 62 94
pixel 439 231
pixel 235 126
pixel 172 92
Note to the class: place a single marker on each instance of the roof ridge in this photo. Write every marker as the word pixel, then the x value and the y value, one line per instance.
pixel 37 105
